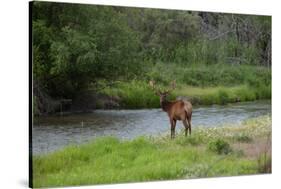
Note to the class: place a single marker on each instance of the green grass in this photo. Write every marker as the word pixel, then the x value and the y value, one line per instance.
pixel 222 94
pixel 110 160
pixel 133 95
pixel 137 94
pixel 202 75
pixel 202 84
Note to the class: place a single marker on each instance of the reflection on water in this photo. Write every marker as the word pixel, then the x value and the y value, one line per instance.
pixel 54 132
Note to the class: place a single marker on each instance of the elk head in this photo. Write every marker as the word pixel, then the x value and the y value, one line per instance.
pixel 163 93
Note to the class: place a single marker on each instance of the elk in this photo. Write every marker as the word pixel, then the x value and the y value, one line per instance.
pixel 176 110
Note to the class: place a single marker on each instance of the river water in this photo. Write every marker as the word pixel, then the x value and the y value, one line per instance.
pixel 54 132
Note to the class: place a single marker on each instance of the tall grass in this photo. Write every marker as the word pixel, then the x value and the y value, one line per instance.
pixel 202 75
pixel 110 160
pixel 134 95
pixel 137 94
pixel 222 94
pixel 202 84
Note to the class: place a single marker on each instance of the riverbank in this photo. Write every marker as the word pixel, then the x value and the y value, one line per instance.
pixel 137 95
pixel 227 151
pixel 201 84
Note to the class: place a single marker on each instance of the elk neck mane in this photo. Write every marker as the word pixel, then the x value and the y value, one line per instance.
pixel 165 105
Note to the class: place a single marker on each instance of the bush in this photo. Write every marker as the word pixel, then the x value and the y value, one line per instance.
pixel 219 146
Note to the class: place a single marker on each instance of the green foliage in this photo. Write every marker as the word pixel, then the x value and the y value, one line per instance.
pixel 250 83
pixel 264 163
pixel 70 56
pixel 42 40
pixel 134 94
pixel 76 46
pixel 210 75
pixel 223 96
pixel 219 146
pixel 75 61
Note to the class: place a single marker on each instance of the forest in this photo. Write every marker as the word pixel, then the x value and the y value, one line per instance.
pixel 104 56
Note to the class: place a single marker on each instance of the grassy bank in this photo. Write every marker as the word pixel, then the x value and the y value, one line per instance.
pixel 137 94
pixel 201 84
pixel 230 150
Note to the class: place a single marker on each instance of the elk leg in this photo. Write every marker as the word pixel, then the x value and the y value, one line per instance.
pixel 173 126
pixel 186 126
pixel 174 130
pixel 189 123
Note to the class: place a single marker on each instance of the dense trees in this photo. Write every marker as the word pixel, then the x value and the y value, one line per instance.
pixel 74 45
pixel 78 47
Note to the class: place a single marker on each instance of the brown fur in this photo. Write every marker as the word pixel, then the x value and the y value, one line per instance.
pixel 177 110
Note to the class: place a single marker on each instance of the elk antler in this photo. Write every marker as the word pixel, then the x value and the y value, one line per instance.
pixel 158 91
pixel 172 86
pixel 152 85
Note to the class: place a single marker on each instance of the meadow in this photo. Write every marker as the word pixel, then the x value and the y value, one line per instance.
pixel 225 151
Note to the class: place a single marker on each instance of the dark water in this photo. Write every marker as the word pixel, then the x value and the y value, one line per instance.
pixel 54 132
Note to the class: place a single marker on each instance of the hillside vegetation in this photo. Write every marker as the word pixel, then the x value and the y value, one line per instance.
pixel 87 52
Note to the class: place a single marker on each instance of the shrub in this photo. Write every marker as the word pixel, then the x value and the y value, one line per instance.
pixel 219 146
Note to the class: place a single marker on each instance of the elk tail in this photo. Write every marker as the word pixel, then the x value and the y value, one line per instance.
pixel 187 111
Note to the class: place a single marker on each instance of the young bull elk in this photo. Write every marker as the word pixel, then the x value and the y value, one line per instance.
pixel 176 110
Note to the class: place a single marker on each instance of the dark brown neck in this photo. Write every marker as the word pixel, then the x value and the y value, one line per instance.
pixel 165 105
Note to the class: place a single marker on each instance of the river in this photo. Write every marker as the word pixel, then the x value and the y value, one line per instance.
pixel 51 133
